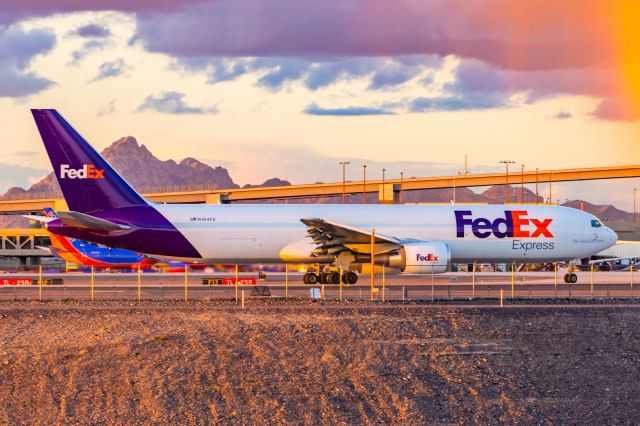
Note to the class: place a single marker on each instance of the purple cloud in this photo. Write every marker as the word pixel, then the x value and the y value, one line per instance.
pixel 111 69
pixel 562 115
pixel 13 11
pixel 520 35
pixel 458 103
pixel 280 71
pixel 172 103
pixel 17 49
pixel 393 75
pixel 92 31
pixel 543 50
pixel 476 79
pixel 387 28
pixel 617 109
pixel 327 72
pixel 314 109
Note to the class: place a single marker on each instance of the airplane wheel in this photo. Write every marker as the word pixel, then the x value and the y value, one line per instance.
pixel 322 278
pixel 304 278
pixel 350 278
pixel 311 278
pixel 573 278
pixel 566 278
pixel 333 278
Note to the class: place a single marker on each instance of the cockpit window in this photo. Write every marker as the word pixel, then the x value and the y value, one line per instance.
pixel 596 223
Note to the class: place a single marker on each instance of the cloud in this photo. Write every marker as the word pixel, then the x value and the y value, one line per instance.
pixel 481 84
pixel 393 75
pixel 14 11
pixel 512 35
pixel 325 73
pixel 616 109
pixel 314 109
pixel 92 31
pixel 461 103
pixel 522 35
pixel 543 50
pixel 314 73
pixel 563 115
pixel 24 153
pixel 107 109
pixel 17 50
pixel 87 48
pixel 18 176
pixel 218 69
pixel 111 69
pixel 172 103
pixel 280 71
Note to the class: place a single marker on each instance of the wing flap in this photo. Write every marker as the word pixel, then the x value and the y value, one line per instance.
pixel 334 238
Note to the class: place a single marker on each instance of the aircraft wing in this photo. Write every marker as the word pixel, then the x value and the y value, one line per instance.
pixel 332 238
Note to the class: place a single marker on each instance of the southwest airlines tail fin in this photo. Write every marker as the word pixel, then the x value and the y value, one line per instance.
pixel 89 184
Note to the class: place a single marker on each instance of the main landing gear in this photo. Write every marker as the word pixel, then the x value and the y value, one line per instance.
pixel 332 277
pixel 570 278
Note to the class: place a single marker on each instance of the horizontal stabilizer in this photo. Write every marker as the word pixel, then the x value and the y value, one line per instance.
pixel 84 221
pixel 37 218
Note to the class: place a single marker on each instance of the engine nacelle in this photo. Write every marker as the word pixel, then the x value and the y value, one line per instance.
pixel 424 257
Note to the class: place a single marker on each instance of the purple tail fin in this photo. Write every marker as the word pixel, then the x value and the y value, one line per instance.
pixel 88 182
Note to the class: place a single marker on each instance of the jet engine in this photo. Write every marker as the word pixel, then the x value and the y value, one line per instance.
pixel 422 257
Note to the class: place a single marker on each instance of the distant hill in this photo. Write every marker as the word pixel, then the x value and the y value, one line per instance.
pixel 143 171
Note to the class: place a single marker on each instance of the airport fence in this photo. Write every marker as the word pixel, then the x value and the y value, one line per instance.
pixel 197 286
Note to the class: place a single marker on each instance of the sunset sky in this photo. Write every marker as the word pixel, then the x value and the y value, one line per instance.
pixel 287 88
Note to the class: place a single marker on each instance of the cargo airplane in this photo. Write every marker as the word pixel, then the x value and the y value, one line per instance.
pixel 416 239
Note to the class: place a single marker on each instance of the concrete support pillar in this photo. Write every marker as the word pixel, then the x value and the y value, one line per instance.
pixel 389 193
pixel 216 199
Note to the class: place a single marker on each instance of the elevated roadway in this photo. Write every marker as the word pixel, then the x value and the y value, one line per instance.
pixel 387 190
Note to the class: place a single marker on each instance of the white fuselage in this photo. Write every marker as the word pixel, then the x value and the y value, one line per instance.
pixel 268 233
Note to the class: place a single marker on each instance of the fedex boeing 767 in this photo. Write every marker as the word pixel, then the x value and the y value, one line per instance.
pixel 420 239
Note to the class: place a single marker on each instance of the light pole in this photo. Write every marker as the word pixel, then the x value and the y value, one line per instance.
pixel 384 196
pixel 343 164
pixel 402 182
pixel 536 186
pixel 522 184
pixel 634 204
pixel 454 190
pixel 364 184
pixel 506 183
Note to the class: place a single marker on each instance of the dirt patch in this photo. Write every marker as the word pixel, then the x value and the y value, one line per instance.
pixel 199 363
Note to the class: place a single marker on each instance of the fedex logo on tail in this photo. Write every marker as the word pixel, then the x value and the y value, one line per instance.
pixel 88 171
pixel 514 224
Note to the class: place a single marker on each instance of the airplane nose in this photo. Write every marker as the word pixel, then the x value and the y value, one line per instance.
pixel 613 237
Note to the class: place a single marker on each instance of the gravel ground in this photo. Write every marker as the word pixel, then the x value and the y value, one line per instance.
pixel 309 363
